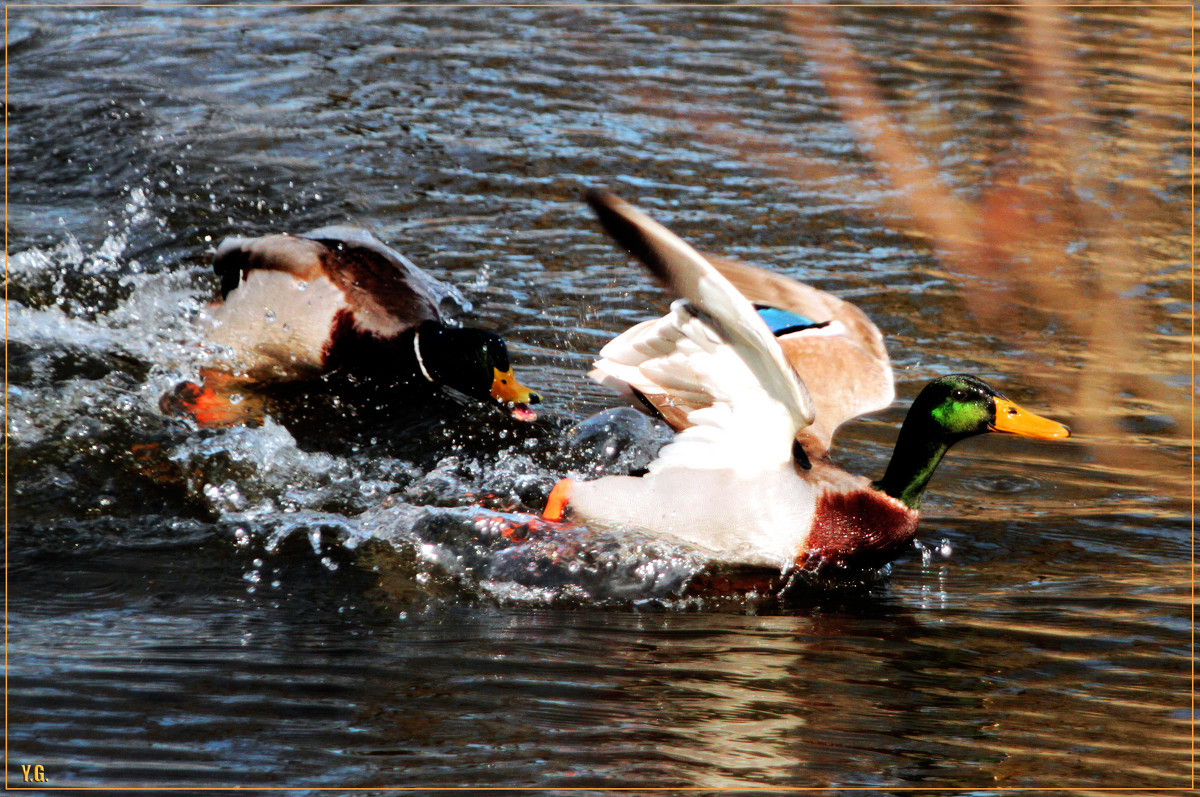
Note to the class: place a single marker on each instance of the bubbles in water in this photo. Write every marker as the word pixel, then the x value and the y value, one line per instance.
pixel 619 440
pixel 225 497
pixel 926 552
pixel 272 474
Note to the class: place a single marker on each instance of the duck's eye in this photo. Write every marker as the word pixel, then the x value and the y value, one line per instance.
pixel 960 395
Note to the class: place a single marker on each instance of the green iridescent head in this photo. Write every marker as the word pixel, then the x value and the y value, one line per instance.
pixel 961 405
pixel 947 410
pixel 958 405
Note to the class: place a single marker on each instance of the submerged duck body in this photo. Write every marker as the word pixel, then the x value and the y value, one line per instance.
pixel 748 475
pixel 337 300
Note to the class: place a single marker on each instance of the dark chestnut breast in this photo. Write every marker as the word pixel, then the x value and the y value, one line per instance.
pixel 860 529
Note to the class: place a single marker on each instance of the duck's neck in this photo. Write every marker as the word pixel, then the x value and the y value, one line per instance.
pixel 918 451
pixel 384 360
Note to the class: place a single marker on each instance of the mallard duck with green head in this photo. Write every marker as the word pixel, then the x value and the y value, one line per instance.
pixel 748 474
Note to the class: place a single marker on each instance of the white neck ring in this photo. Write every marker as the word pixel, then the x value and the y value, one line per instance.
pixel 420 360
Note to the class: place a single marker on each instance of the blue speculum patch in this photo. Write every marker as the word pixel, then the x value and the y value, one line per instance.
pixel 782 322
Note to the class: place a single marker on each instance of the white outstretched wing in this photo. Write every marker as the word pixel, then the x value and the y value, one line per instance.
pixel 711 346
pixel 680 358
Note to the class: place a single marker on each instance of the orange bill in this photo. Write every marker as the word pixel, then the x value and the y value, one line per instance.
pixel 507 389
pixel 1014 420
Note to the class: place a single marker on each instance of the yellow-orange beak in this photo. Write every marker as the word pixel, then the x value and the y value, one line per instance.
pixel 1014 420
pixel 507 390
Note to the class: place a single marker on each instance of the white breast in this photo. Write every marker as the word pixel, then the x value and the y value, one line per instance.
pixel 763 520
pixel 275 326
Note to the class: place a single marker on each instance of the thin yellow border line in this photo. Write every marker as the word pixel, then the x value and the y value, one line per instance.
pixel 595 5
pixel 1192 226
pixel 1042 790
pixel 607 5
pixel 6 415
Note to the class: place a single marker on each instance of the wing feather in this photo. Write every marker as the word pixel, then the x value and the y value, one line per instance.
pixel 712 352
pixel 386 291
pixel 710 298
pixel 843 362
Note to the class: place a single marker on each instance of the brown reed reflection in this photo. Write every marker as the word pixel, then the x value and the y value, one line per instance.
pixel 1054 236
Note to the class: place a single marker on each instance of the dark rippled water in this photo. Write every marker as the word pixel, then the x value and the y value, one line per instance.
pixel 302 604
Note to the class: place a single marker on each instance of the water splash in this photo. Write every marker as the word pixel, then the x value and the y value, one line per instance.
pixel 444 508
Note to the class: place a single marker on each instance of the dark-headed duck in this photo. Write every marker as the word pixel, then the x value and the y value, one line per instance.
pixel 337 300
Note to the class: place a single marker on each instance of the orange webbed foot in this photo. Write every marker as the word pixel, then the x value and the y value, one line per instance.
pixel 222 400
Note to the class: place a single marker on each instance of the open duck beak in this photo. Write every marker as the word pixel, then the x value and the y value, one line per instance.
pixel 508 391
pixel 1014 420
